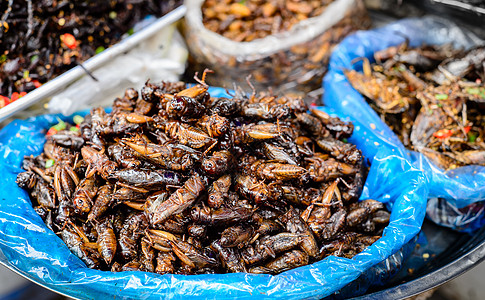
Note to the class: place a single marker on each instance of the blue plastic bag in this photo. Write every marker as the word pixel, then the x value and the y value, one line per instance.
pixel 460 187
pixel 27 246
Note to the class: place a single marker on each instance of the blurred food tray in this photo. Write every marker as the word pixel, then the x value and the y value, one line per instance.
pixel 61 81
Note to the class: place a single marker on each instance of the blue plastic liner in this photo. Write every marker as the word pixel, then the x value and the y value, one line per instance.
pixel 460 187
pixel 27 246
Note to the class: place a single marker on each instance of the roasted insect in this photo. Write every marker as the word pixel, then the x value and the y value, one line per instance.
pixel 178 201
pixel 203 185
pixel 432 98
pixel 286 64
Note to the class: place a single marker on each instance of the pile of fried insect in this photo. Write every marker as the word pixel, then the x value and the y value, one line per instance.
pixel 432 97
pixel 177 181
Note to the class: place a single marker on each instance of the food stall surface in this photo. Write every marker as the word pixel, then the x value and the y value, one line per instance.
pixel 458 254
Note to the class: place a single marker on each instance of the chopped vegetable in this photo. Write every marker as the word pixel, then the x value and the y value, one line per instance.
pixel 446 133
pixel 99 49
pixel 443 133
pixel 60 126
pixel 51 131
pixel 69 40
pixel 441 96
pixel 4 101
pixel 49 163
pixel 36 83
pixel 77 119
pixel 476 91
pixel 473 91
pixel 16 96
pixel 472 137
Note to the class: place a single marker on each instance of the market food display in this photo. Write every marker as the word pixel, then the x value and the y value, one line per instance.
pixel 253 19
pixel 284 45
pixel 432 97
pixel 175 181
pixel 42 39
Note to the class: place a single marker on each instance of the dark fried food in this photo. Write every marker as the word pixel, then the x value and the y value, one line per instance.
pixel 209 186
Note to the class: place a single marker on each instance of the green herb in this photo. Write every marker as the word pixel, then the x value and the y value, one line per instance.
pixel 440 105
pixel 344 140
pixel 3 58
pixel 473 91
pixel 60 126
pixel 77 119
pixel 441 96
pixel 99 49
pixel 130 31
pixel 73 128
pixel 243 2
pixel 34 58
pixel 26 74
pixel 472 137
pixel 49 163
pixel 476 91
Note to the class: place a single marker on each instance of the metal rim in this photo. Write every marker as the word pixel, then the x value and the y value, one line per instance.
pixel 453 4
pixel 433 279
pixel 18 272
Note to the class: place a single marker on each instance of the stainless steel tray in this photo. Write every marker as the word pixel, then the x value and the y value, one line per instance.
pixel 461 5
pixel 60 82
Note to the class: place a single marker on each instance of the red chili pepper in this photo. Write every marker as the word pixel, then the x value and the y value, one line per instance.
pixel 4 101
pixel 443 134
pixel 69 40
pixel 467 129
pixel 14 97
pixel 36 83
pixel 51 131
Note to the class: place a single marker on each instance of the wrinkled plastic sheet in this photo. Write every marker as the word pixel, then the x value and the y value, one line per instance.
pixel 302 32
pixel 27 246
pixel 460 187
pixel 292 60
